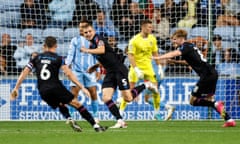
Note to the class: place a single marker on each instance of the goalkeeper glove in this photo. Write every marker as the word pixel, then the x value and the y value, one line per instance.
pixel 138 72
pixel 161 72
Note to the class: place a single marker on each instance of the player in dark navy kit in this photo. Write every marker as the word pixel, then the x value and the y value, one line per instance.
pixel 116 75
pixel 51 89
pixel 204 90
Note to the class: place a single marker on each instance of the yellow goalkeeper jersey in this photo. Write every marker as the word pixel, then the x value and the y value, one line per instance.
pixel 142 49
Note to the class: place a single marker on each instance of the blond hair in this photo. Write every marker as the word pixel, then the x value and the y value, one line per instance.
pixel 180 33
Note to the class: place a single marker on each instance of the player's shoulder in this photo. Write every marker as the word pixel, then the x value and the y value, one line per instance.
pixel 188 44
pixel 135 38
pixel 152 37
pixel 75 40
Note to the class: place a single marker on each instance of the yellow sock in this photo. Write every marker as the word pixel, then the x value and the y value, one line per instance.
pixel 156 101
pixel 123 105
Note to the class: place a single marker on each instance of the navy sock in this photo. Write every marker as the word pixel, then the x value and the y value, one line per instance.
pixel 86 115
pixel 113 109
pixel 64 111
pixel 138 89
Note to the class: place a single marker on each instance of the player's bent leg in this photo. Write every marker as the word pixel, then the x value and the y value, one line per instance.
pixel 218 106
pixel 151 86
pixel 107 99
pixel 75 90
pixel 87 116
pixel 122 107
pixel 149 99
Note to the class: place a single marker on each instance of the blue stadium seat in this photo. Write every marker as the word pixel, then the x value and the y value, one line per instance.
pixel 35 32
pixel 3 20
pixel 11 5
pixel 13 32
pixel 237 33
pixel 69 33
pixel 227 33
pixel 62 49
pixel 56 32
pixel 200 31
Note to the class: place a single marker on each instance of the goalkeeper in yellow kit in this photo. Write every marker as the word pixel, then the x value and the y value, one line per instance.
pixel 140 51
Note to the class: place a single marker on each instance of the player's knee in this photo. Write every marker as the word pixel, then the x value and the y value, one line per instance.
pixel 191 103
pixel 192 100
pixel 75 103
pixel 106 98
pixel 128 99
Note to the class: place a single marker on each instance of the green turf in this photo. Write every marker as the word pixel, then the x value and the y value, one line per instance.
pixel 138 132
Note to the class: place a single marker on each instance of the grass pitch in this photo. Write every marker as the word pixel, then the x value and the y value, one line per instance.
pixel 138 132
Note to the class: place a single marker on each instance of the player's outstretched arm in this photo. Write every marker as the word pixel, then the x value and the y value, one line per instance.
pixel 99 50
pixel 168 55
pixel 73 78
pixel 22 76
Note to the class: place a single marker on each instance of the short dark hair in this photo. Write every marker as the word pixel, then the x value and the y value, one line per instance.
pixel 217 37
pixel 85 20
pixel 50 41
pixel 146 21
pixel 101 11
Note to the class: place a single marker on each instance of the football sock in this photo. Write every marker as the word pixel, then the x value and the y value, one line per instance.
pixel 138 89
pixel 227 117
pixel 95 107
pixel 123 106
pixel 156 101
pixel 113 109
pixel 64 111
pixel 86 115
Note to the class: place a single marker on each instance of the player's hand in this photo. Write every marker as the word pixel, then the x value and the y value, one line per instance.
pixel 14 94
pixel 85 91
pixel 161 72
pixel 139 73
pixel 84 50
pixel 92 68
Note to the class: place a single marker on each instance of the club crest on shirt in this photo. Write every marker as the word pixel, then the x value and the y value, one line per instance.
pixel 151 43
pixel 100 43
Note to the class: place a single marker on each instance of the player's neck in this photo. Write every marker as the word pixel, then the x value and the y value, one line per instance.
pixel 144 35
pixel 53 50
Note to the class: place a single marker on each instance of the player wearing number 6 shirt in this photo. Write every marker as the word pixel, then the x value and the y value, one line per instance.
pixel 203 92
pixel 116 75
pixel 51 89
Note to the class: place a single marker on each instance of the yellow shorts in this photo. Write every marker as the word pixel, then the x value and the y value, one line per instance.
pixel 148 75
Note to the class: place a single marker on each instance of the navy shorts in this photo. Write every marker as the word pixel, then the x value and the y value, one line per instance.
pixel 206 86
pixel 54 96
pixel 117 78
